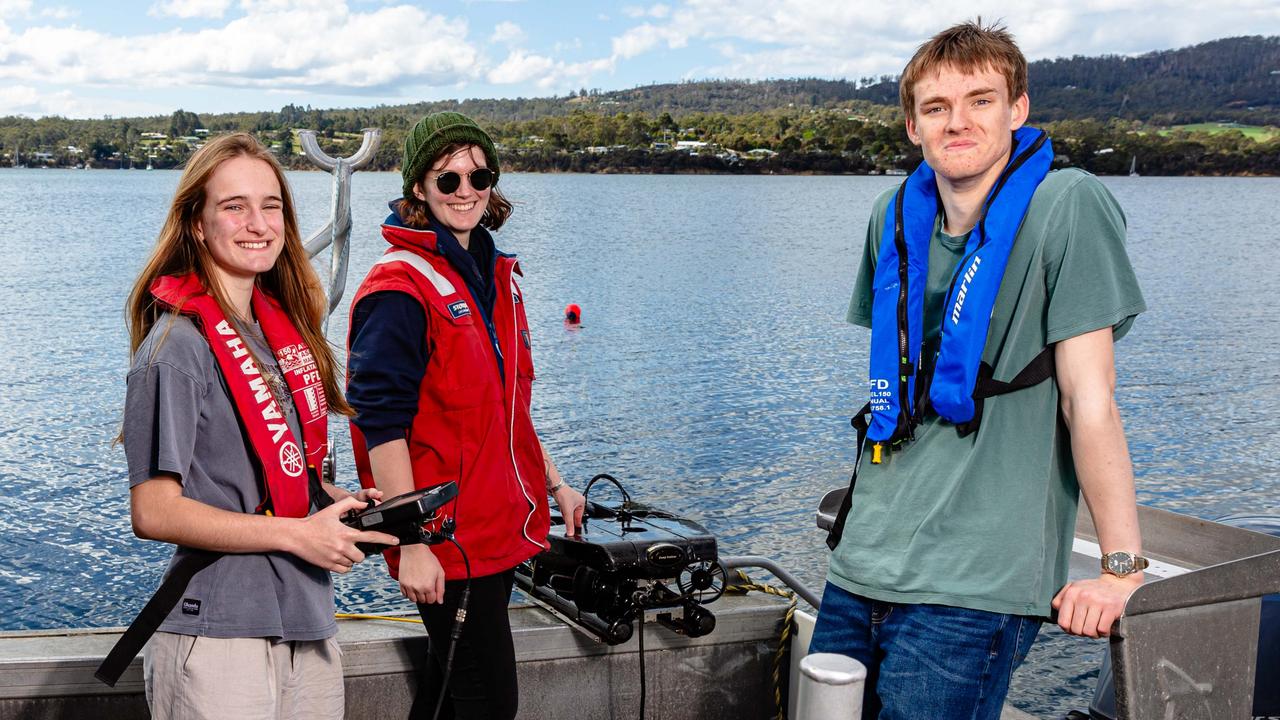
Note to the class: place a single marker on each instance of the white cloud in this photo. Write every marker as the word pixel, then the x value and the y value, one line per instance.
pixel 213 9
pixel 521 66
pixel 17 99
pixel 783 38
pixel 565 46
pixel 655 11
pixel 28 101
pixel 278 44
pixel 60 13
pixel 643 38
pixel 362 47
pixel 508 33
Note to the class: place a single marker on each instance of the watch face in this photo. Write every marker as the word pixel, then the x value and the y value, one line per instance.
pixel 1120 563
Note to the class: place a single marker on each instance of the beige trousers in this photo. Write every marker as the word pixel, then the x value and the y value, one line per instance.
pixel 202 678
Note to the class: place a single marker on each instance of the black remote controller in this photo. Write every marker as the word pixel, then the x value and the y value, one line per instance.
pixel 401 516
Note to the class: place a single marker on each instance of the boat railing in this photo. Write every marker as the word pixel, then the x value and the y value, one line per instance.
pixel 791 581
pixel 1187 646
pixel 1187 643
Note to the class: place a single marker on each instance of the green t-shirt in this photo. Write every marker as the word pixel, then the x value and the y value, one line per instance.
pixel 986 521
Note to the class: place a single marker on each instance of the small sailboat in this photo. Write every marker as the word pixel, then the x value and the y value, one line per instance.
pixel 1133 166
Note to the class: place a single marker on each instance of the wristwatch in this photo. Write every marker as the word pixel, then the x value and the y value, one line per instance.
pixel 1121 563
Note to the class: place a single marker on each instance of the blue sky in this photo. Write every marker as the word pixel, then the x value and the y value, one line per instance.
pixel 148 57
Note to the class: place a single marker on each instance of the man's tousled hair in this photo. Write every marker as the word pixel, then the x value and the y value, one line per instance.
pixel 967 47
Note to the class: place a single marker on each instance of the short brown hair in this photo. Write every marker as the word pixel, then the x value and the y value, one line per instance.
pixel 415 214
pixel 966 47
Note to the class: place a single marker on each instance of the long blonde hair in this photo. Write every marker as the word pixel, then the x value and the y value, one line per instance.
pixel 291 281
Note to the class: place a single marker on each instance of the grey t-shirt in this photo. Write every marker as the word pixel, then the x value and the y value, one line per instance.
pixel 180 421
pixel 985 521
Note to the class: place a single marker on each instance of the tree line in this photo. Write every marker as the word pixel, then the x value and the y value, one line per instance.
pixel 774 141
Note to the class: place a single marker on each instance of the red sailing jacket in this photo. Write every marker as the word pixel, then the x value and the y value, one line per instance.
pixel 470 427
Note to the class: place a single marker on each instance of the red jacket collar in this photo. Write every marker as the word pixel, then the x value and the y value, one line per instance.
pixel 410 239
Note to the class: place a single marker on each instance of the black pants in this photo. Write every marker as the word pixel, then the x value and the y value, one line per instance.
pixel 482 684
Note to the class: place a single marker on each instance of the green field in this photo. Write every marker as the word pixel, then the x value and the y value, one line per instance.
pixel 1254 132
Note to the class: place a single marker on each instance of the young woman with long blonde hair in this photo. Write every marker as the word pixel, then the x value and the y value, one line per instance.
pixel 224 429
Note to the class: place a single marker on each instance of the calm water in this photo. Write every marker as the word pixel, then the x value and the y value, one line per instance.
pixel 713 372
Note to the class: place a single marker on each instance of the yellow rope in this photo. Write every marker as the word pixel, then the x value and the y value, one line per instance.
pixel 784 638
pixel 392 618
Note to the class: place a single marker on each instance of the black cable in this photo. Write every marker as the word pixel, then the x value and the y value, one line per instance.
pixel 626 499
pixel 460 617
pixel 640 620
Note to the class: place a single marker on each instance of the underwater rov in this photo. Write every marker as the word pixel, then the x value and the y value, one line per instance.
pixel 626 560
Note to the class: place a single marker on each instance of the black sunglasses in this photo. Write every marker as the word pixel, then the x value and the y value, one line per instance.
pixel 481 179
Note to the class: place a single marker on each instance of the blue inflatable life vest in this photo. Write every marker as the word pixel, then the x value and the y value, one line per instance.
pixel 897 315
pixel 955 382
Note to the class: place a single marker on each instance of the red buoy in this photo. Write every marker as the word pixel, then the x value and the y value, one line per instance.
pixel 573 314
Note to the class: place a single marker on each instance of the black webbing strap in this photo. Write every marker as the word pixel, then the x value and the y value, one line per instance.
pixel 1040 368
pixel 860 422
pixel 154 613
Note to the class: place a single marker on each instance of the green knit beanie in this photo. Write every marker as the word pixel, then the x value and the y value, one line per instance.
pixel 431 135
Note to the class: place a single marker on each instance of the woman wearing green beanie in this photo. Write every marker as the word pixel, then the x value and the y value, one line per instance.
pixel 440 373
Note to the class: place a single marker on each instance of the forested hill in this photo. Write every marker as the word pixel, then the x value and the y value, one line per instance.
pixel 1228 80
pixel 1208 109
pixel 1236 79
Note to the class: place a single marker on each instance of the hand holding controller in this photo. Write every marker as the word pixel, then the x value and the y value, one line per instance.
pixel 401 516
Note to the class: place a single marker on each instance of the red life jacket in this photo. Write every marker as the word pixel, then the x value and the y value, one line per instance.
pixel 283 464
pixel 471 426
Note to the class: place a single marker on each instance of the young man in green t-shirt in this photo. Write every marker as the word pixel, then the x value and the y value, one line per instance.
pixel 954 545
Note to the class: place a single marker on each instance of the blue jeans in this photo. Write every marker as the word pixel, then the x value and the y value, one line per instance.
pixel 925 662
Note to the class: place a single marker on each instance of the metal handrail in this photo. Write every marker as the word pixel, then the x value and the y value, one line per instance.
pixel 764 563
pixel 337 232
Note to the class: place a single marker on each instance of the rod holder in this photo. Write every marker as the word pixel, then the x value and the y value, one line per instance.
pixel 831 688
pixel 337 232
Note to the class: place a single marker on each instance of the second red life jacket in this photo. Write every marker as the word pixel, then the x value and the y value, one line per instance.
pixel 471 426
